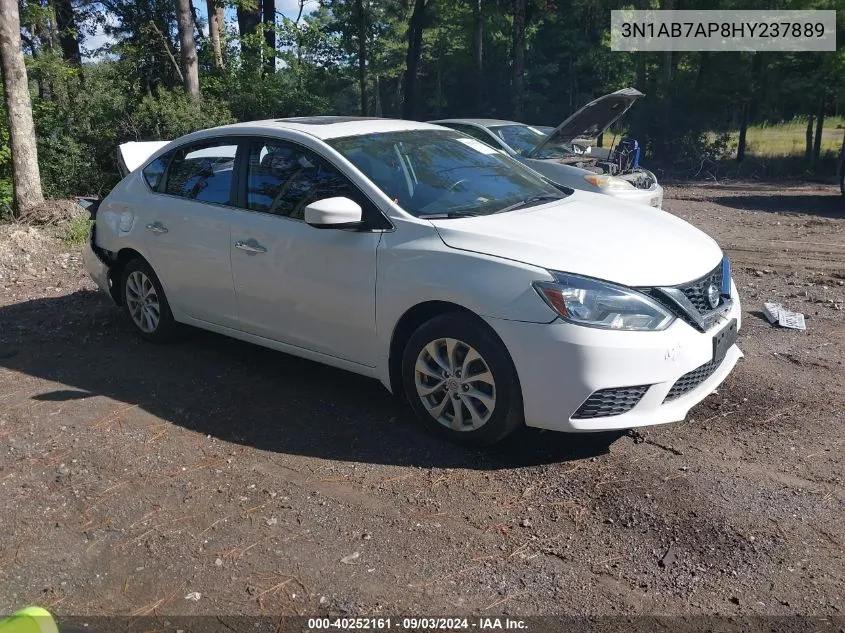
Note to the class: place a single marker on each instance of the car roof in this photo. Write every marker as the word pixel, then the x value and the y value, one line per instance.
pixel 328 127
pixel 481 122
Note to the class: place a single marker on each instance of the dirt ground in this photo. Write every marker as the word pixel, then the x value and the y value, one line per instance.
pixel 133 475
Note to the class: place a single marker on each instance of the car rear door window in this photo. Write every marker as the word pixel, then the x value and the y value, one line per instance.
pixel 283 178
pixel 203 172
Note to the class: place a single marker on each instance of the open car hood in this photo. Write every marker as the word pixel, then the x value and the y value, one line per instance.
pixel 133 154
pixel 593 119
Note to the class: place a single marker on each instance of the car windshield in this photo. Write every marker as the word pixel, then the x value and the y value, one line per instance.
pixel 524 138
pixel 444 173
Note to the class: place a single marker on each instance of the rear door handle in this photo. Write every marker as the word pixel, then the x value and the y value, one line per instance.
pixel 157 228
pixel 250 246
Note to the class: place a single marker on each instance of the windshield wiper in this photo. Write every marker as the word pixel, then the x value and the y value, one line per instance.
pixel 448 214
pixel 546 197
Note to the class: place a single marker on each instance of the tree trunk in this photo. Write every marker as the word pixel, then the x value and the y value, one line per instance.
pixel 641 71
pixel 249 18
pixel 68 32
pixel 817 143
pixel 743 131
pixel 478 54
pixel 377 109
pixel 703 69
pixel 749 108
pixel 188 48
pixel 362 53
pixel 412 60
pixel 808 138
pixel 518 83
pixel 26 179
pixel 215 28
pixel 269 12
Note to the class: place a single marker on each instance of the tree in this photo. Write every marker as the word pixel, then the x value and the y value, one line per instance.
pixel 361 18
pixel 216 27
pixel 26 179
pixel 68 32
pixel 249 19
pixel 188 48
pixel 412 59
pixel 518 58
pixel 478 53
pixel 269 13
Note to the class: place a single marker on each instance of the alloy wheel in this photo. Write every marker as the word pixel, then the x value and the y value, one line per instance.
pixel 142 301
pixel 455 384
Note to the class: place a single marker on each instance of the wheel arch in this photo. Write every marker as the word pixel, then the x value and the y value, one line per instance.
pixel 413 318
pixel 123 257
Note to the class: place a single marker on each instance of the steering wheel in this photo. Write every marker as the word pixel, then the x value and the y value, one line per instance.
pixel 454 185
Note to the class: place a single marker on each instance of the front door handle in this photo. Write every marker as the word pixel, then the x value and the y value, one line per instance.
pixel 157 228
pixel 250 246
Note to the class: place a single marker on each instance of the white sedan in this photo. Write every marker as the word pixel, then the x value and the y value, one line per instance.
pixel 485 295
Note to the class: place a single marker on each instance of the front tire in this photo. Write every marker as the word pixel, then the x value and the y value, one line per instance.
pixel 460 381
pixel 145 304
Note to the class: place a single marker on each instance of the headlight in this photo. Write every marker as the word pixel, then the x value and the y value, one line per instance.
pixel 603 305
pixel 611 183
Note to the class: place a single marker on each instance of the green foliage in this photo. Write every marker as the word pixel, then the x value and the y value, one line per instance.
pixel 75 232
pixel 171 114
pixel 693 107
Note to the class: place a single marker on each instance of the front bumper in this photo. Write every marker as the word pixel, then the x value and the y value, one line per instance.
pixel 652 197
pixel 561 365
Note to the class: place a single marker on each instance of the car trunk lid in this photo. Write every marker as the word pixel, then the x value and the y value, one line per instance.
pixel 133 154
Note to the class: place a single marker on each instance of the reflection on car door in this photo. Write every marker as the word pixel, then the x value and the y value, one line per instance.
pixel 312 288
pixel 187 231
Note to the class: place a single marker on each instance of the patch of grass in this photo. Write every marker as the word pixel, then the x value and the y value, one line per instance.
pixel 788 138
pixel 75 232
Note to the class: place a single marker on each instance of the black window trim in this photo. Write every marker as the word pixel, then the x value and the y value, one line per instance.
pixel 239 179
pixel 242 165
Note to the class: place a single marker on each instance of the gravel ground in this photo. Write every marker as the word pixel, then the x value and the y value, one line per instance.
pixel 132 476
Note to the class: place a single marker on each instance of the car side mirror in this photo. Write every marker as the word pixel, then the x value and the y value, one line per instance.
pixel 334 213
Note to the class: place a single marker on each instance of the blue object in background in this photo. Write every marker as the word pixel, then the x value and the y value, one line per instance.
pixel 631 147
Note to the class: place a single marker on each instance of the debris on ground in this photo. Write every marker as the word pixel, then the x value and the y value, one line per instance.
pixel 777 314
pixel 351 558
pixel 669 558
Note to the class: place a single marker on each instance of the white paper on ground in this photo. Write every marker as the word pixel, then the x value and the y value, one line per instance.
pixel 772 310
pixel 792 320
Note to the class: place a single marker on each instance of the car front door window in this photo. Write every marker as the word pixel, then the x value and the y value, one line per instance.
pixel 282 179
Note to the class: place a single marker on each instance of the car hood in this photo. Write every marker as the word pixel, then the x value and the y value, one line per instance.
pixel 591 235
pixel 593 119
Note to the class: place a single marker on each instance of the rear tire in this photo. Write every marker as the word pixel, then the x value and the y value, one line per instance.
pixel 460 381
pixel 145 304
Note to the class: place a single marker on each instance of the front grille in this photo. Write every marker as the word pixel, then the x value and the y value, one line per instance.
pixel 696 291
pixel 691 380
pixel 606 402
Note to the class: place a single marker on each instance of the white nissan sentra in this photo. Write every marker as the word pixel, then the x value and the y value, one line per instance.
pixel 461 279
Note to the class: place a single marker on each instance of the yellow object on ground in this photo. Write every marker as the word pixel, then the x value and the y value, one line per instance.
pixel 29 620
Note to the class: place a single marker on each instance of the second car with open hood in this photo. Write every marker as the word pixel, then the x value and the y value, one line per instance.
pixel 485 295
pixel 564 154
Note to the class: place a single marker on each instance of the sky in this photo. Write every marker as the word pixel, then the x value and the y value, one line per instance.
pixel 288 8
